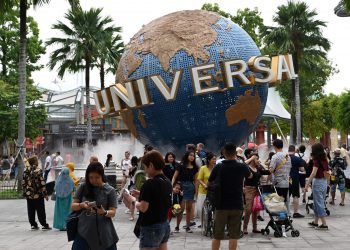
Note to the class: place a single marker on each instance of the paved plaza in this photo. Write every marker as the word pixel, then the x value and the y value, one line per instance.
pixel 15 232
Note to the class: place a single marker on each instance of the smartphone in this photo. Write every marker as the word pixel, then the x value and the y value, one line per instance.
pixel 92 204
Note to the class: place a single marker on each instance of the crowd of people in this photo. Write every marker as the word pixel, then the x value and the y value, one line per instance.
pixel 162 188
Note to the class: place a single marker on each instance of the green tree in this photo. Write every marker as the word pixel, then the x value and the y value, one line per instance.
pixel 79 47
pixel 249 19
pixel 298 33
pixel 5 6
pixel 343 114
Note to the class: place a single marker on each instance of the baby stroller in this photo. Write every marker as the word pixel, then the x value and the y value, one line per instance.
pixel 276 209
pixel 310 203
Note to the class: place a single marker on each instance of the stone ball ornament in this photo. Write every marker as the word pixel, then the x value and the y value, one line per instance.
pixel 192 76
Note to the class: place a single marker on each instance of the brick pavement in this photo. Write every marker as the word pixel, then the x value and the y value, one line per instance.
pixel 15 232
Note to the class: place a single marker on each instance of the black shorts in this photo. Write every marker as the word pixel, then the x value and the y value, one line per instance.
pixel 294 190
pixel 283 192
pixel 302 180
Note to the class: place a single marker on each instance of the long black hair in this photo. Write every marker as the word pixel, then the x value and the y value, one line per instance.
pixel 209 156
pixel 109 157
pixel 318 154
pixel 94 167
pixel 185 160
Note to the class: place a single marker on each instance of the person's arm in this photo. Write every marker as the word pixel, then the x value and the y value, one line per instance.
pixel 200 178
pixel 77 205
pixel 312 176
pixel 145 197
pixel 273 165
pixel 42 187
pixel 176 174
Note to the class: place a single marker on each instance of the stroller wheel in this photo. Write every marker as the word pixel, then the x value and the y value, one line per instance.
pixel 277 234
pixel 295 233
pixel 267 231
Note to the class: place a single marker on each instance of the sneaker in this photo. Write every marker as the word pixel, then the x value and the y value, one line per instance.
pixel 297 215
pixel 188 230
pixel 191 225
pixel 177 230
pixel 45 228
pixel 312 224
pixel 322 227
pixel 34 228
pixel 127 211
pixel 331 202
pixel 131 219
pixel 200 226
pixel 260 218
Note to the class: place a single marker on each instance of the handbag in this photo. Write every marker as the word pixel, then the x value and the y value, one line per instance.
pixel 53 196
pixel 257 204
pixel 72 224
pixel 137 228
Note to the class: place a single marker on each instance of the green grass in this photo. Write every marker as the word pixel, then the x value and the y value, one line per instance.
pixel 10 194
pixel 347 190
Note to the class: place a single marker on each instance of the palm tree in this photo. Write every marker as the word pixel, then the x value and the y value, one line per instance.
pixel 299 34
pixel 79 47
pixel 6 5
pixel 110 52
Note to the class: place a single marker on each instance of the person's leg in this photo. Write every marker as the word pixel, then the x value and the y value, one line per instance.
pixel 193 211
pixel 163 246
pixel 188 213
pixel 342 192
pixel 255 221
pixel 249 197
pixel 179 217
pixel 41 211
pixel 232 245
pixel 296 204
pixel 333 189
pixel 31 212
pixel 199 205
pixel 215 244
pixel 46 173
pixel 342 195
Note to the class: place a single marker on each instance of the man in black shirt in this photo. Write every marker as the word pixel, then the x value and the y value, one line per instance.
pixel 229 211
pixel 154 203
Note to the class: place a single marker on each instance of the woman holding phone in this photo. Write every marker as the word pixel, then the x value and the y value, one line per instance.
pixel 98 203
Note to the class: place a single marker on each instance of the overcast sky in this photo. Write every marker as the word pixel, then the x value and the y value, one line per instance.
pixel 132 14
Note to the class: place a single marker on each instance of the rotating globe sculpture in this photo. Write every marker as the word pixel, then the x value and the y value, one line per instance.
pixel 175 43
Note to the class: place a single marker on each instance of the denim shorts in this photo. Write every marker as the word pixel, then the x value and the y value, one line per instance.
pixel 341 187
pixel 188 191
pixel 153 236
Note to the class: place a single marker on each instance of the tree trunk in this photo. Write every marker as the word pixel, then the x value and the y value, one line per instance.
pixel 297 111
pixel 102 78
pixel 22 90
pixel 87 91
pixel 292 117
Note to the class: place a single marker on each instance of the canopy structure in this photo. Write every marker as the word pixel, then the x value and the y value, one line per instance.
pixel 274 107
pixel 65 105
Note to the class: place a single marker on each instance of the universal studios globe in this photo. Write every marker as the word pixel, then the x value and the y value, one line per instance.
pixel 177 42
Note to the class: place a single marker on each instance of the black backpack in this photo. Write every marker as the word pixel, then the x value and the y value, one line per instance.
pixel 214 188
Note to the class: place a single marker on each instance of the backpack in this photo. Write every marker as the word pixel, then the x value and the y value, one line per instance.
pixel 303 162
pixel 214 189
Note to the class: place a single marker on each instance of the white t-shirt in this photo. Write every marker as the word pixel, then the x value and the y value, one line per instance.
pixel 59 161
pixel 125 166
pixel 48 163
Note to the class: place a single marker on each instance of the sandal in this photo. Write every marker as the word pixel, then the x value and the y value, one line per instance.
pixel 245 231
pixel 256 231
pixel 341 204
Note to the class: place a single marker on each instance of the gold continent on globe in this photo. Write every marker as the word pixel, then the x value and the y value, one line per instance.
pixel 165 36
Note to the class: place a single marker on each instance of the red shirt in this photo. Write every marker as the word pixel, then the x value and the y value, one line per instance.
pixel 320 170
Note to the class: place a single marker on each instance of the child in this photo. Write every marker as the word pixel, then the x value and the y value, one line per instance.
pixel 175 210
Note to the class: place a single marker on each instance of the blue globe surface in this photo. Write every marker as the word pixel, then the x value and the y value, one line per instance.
pixel 182 40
